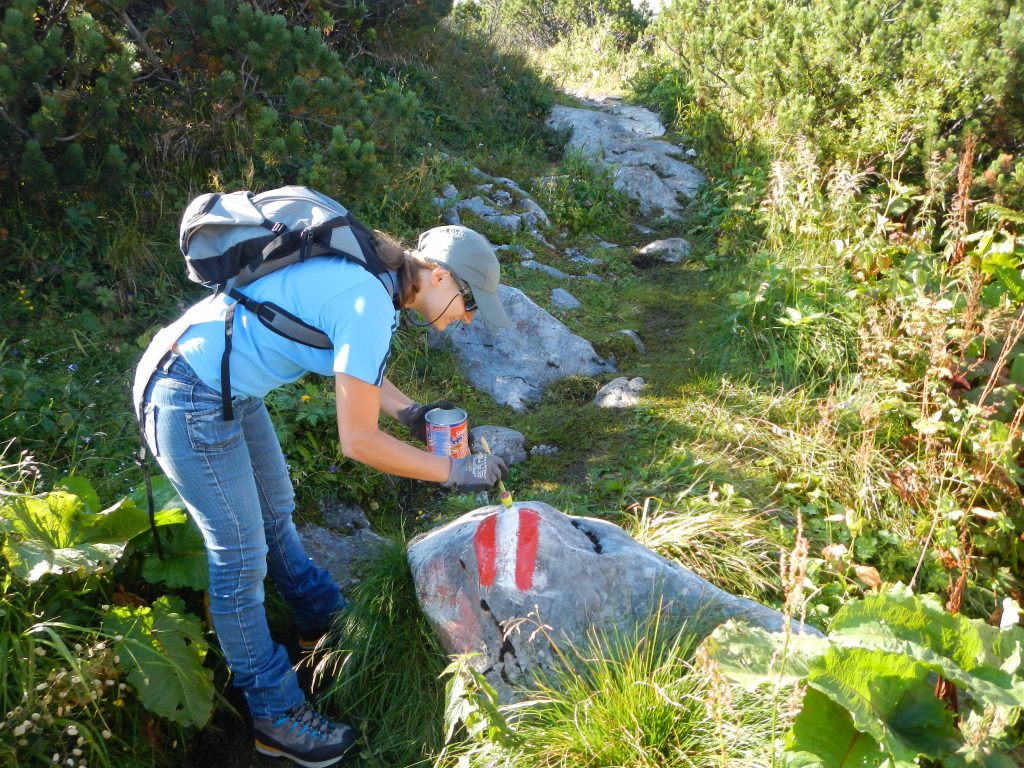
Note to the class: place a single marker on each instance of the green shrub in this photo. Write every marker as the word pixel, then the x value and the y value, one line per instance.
pixel 867 82
pixel 541 23
pixel 65 94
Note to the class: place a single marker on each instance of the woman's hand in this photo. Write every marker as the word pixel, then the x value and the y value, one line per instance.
pixel 477 472
pixel 414 417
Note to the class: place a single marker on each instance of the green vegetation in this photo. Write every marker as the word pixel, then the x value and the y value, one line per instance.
pixel 835 375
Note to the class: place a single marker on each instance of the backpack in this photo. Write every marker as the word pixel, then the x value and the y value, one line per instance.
pixel 230 240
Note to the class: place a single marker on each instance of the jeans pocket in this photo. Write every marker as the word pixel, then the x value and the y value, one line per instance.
pixel 207 430
pixel 149 413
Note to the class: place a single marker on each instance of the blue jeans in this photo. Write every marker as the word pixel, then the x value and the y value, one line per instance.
pixel 233 479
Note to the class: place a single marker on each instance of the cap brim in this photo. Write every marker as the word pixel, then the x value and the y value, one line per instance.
pixel 490 308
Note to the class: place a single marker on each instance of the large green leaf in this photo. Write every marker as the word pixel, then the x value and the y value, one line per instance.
pixel 185 563
pixel 890 698
pixel 64 531
pixel 163 648
pixel 823 734
pixel 968 652
pixel 750 656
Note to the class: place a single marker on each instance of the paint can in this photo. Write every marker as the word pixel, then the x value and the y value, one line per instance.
pixel 448 432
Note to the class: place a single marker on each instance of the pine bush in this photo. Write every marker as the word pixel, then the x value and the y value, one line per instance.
pixel 864 80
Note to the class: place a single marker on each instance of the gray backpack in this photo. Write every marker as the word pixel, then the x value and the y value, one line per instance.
pixel 229 240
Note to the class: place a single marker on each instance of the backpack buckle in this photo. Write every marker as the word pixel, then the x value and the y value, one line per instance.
pixel 278 228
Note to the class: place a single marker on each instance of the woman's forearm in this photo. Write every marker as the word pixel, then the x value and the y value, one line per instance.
pixel 392 399
pixel 383 452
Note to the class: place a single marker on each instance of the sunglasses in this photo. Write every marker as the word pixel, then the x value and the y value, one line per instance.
pixel 464 290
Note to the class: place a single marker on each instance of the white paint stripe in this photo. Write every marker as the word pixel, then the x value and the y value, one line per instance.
pixel 506 542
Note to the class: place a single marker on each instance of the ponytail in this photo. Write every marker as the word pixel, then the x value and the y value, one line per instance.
pixel 402 263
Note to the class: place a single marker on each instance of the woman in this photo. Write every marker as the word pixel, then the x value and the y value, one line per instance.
pixel 232 476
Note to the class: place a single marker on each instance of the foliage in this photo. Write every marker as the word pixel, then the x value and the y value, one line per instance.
pixel 65 532
pixel 582 197
pixel 866 82
pixel 542 23
pixel 163 649
pixel 611 701
pixel 65 86
pixel 75 651
pixel 381 662
pixel 872 681
pixel 716 536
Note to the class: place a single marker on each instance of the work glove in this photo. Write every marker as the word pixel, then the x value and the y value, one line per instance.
pixel 477 472
pixel 413 417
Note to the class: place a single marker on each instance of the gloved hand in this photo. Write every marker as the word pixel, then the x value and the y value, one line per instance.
pixel 413 417
pixel 477 472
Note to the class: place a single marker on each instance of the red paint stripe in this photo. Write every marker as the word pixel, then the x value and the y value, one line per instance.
pixel 526 555
pixel 483 543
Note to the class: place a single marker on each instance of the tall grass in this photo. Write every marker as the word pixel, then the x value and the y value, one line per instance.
pixel 635 701
pixel 380 665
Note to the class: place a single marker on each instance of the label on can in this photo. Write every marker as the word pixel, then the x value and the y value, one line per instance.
pixel 448 432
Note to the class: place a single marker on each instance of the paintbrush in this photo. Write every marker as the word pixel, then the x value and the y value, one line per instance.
pixel 504 495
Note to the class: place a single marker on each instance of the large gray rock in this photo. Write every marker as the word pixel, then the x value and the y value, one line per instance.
pixel 514 365
pixel 491 578
pixel 626 139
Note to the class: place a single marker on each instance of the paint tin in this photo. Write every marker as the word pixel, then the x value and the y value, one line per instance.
pixel 448 432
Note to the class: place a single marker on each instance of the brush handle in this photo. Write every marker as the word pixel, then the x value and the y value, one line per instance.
pixel 505 496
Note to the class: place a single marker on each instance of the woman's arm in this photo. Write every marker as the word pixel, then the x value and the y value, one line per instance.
pixel 392 399
pixel 358 406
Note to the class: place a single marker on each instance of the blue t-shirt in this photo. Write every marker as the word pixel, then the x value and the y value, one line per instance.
pixel 336 296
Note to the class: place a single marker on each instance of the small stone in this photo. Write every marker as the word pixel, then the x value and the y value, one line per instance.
pixel 543 450
pixel 671 250
pixel 562 299
pixel 620 393
pixel 546 269
pixel 504 442
pixel 635 338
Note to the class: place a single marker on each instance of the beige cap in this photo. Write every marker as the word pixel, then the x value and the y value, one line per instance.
pixel 469 256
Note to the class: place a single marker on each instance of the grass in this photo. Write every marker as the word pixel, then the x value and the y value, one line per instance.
pixel 636 701
pixel 381 665
pixel 761 407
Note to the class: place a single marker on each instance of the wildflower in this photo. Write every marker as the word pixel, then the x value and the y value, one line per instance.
pixel 105 733
pixel 40 651
pixel 304 398
pixel 76 752
pixel 73 367
pixel 70 762
pixel 19 730
pixel 56 757
pixel 72 730
pixel 333 469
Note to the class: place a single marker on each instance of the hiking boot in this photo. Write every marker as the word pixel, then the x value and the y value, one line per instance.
pixel 307 644
pixel 304 736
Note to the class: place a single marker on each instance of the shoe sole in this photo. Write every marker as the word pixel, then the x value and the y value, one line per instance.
pixel 269 751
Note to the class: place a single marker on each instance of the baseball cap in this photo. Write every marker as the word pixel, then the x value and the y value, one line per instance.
pixel 469 256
